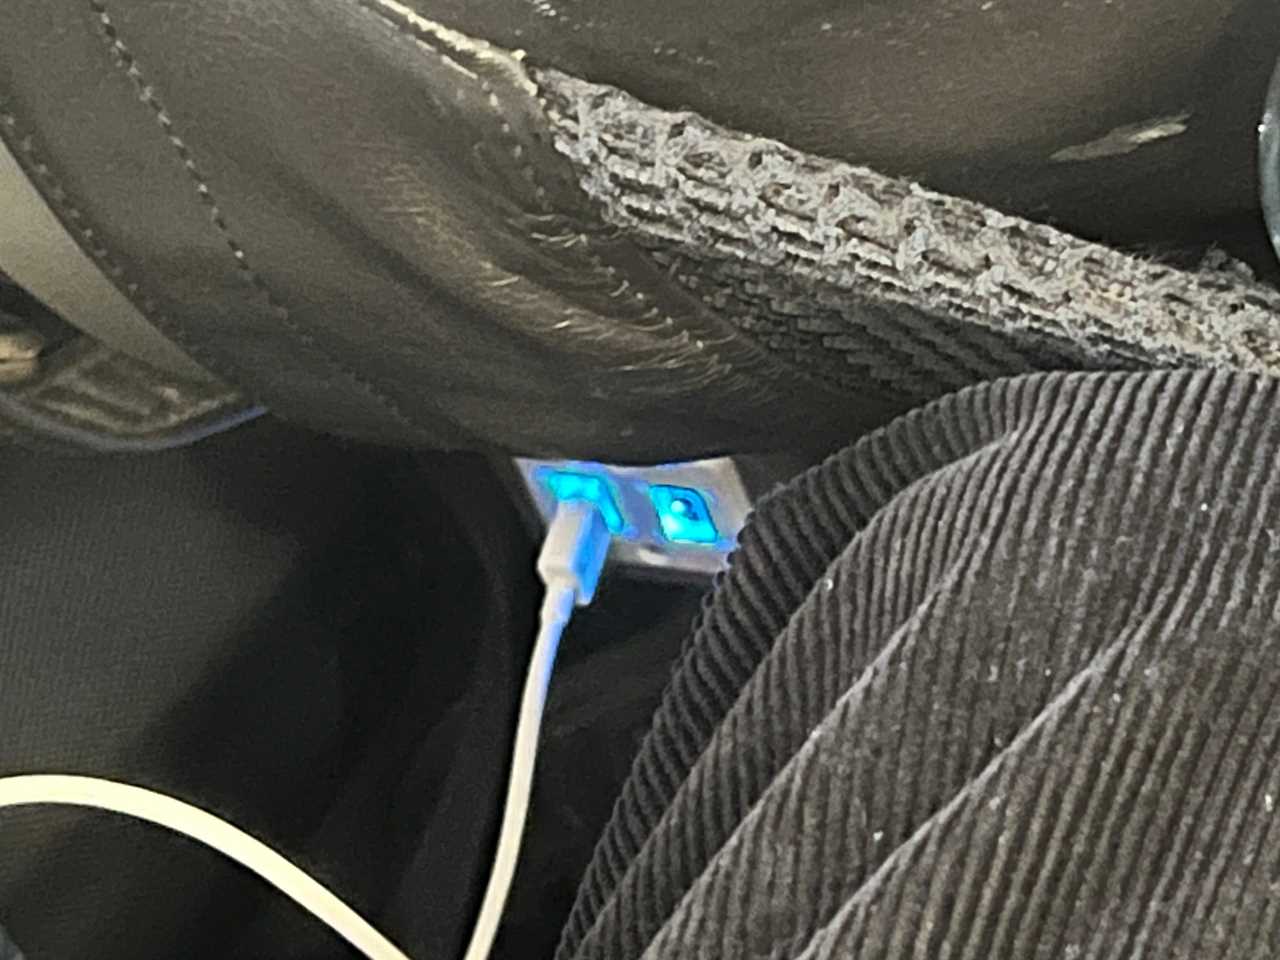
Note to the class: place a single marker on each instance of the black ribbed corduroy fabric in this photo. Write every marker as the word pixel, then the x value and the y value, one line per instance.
pixel 999 681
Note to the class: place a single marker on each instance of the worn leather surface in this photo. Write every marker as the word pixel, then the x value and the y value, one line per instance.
pixel 989 99
pixel 356 215
pixel 361 221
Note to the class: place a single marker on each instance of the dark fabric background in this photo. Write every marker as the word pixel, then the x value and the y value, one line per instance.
pixel 322 642
pixel 292 632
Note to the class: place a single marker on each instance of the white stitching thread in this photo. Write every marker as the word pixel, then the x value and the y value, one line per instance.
pixel 127 62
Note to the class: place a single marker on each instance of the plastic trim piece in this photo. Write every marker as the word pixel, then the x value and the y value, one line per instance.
pixel 38 254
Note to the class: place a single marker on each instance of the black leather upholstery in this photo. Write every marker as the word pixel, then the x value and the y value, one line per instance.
pixel 356 215
pixel 980 98
pixel 361 221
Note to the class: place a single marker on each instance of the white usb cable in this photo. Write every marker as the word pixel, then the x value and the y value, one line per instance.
pixel 570 563
pixel 213 832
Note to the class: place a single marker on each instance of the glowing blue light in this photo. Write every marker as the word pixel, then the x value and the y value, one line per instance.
pixel 683 514
pixel 568 485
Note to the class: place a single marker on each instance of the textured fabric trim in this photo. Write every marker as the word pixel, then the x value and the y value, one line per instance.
pixel 864 278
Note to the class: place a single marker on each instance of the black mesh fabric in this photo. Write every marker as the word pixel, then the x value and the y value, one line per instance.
pixel 309 638
pixel 878 286
pixel 998 681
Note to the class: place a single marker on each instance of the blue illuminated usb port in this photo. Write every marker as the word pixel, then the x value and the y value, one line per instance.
pixel 683 514
pixel 571 485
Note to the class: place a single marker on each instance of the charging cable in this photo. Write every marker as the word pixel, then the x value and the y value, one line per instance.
pixel 569 565
pixel 213 832
pixel 572 557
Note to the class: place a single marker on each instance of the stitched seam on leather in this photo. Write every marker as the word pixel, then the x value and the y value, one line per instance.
pixel 653 311
pixel 517 151
pixel 125 59
pixel 74 221
pixel 425 40
pixel 668 323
